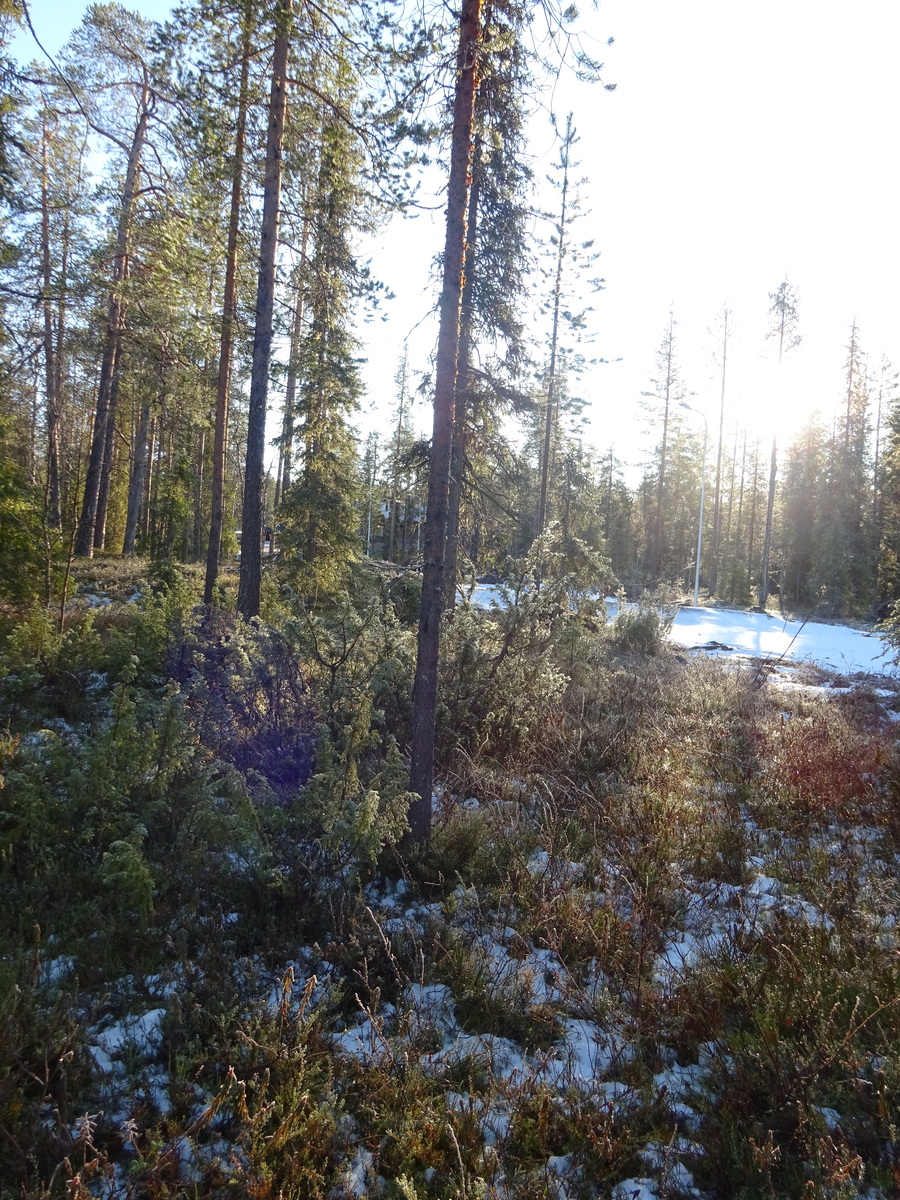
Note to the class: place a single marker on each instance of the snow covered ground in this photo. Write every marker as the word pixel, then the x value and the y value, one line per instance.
pixel 766 636
pixel 761 635
pixel 704 925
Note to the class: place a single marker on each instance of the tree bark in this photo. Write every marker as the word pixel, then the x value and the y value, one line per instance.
pixel 252 517
pixel 427 660
pixel 226 338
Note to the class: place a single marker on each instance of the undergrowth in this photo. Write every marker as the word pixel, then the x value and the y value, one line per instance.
pixel 652 944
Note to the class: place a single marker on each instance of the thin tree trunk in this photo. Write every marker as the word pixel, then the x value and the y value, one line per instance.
pixel 136 483
pixel 767 544
pixel 59 357
pixel 51 367
pixel 426 677
pixel 717 513
pixel 661 484
pixel 149 481
pixel 290 393
pixel 554 336
pixel 226 337
pixel 252 516
pixel 734 545
pixel 109 448
pixel 752 524
pixel 115 320
pixel 198 498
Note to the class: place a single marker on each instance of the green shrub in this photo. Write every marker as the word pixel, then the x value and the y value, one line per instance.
pixel 642 628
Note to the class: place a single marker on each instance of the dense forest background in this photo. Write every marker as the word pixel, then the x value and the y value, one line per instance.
pixel 133 172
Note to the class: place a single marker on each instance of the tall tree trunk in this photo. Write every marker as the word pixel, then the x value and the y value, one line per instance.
pixel 550 414
pixel 767 543
pixel 197 539
pixel 115 320
pixel 59 357
pixel 427 659
pixel 735 543
pixel 109 452
pixel 658 552
pixel 226 337
pixel 136 482
pixel 717 511
pixel 752 524
pixel 149 482
pixel 395 479
pixel 252 516
pixel 51 366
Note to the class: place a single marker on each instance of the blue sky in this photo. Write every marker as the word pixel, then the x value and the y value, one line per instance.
pixel 743 141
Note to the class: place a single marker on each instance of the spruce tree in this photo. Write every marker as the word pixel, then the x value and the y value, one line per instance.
pixel 491 344
pixel 661 405
pixel 784 317
pixel 845 554
pixel 571 259
pixel 319 509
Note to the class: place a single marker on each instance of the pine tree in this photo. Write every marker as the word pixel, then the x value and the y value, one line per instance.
pixel 571 258
pixel 888 382
pixel 426 676
pixel 889 498
pixel 491 346
pixel 113 42
pixel 252 516
pixel 397 467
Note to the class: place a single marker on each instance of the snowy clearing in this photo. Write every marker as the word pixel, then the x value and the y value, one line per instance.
pixel 726 631
pixel 766 636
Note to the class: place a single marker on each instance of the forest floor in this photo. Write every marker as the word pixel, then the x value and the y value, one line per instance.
pixel 651 953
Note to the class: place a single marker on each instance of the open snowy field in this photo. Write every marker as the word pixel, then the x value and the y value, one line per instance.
pixel 766 636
